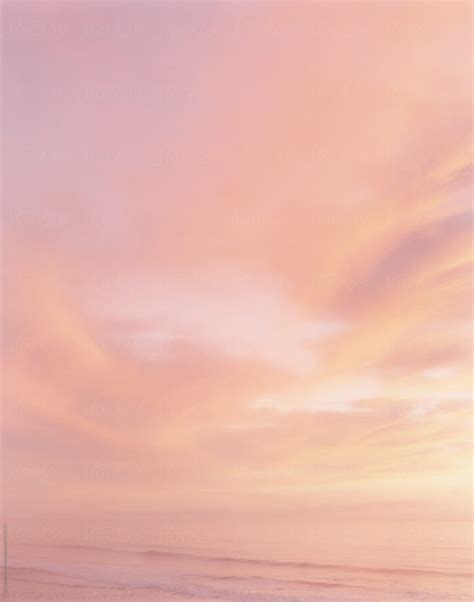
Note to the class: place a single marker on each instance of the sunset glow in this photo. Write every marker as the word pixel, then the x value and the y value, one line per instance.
pixel 237 262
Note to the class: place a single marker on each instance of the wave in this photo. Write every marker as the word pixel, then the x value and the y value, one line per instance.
pixel 307 565
pixel 155 553
pixel 297 582
pixel 44 577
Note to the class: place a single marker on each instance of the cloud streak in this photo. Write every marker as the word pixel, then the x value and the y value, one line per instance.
pixel 237 256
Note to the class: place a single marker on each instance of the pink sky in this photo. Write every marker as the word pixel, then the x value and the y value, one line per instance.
pixel 237 256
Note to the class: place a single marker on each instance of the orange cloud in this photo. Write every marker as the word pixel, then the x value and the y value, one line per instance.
pixel 238 256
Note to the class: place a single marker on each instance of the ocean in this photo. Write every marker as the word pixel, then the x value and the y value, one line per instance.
pixel 376 562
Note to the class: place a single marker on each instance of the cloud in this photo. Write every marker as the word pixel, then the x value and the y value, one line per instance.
pixel 337 396
pixel 222 311
pixel 243 266
pixel 413 253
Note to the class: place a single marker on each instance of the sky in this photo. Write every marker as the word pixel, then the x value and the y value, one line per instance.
pixel 237 257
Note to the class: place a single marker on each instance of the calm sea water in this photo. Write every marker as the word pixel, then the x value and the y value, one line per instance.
pixel 378 561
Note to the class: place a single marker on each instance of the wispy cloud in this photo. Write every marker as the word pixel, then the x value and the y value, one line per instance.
pixel 238 254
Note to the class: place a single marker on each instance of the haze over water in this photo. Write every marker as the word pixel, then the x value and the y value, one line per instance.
pixel 237 301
